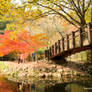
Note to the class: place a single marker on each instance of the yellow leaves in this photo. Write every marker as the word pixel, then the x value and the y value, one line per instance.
pixel 88 15
pixel 13 12
pixel 35 0
pixel 21 20
pixel 5 10
pixel 5 5
pixel 10 26
pixel 13 35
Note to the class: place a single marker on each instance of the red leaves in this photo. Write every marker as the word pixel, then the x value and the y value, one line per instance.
pixel 23 43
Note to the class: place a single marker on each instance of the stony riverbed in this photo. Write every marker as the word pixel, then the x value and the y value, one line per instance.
pixel 44 69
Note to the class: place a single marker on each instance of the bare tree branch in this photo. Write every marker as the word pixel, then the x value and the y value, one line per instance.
pixel 77 9
pixel 58 13
pixel 67 14
pixel 67 7
pixel 78 3
pixel 65 2
pixel 39 16
pixel 83 7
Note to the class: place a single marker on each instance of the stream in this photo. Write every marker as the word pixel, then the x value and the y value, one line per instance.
pixel 45 86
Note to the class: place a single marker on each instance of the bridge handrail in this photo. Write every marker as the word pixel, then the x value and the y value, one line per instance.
pixel 56 48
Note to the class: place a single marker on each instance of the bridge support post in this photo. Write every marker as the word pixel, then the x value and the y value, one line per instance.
pixel 55 47
pixel 67 41
pixel 90 33
pixel 59 46
pixel 46 53
pixel 50 51
pixel 89 26
pixel 73 39
pixel 62 44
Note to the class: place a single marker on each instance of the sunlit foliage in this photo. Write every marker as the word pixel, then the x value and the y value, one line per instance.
pixel 22 43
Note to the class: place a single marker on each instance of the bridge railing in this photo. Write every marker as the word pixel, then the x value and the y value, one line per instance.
pixel 78 38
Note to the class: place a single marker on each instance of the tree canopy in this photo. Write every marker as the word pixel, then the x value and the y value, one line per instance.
pixel 73 11
pixel 76 12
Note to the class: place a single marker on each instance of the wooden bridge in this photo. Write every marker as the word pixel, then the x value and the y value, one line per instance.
pixel 74 42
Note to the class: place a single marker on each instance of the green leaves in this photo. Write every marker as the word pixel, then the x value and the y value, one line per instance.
pixel 2 25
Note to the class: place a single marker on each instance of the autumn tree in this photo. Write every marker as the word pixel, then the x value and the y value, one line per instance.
pixel 63 8
pixel 51 25
pixel 22 43
pixel 76 12
pixel 11 17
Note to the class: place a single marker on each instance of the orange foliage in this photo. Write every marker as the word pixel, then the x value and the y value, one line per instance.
pixel 23 43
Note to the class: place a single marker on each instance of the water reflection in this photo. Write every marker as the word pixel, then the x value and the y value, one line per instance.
pixel 70 87
pixel 22 87
pixel 8 86
pixel 26 88
pixel 75 88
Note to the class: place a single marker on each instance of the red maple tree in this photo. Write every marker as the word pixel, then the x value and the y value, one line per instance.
pixel 23 43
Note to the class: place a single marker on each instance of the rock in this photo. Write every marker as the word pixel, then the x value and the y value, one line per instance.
pixel 60 70
pixel 22 74
pixel 78 74
pixel 54 70
pixel 56 75
pixel 54 66
pixel 66 74
pixel 82 75
pixel 47 70
pixel 40 70
pixel 28 75
pixel 42 75
pixel 44 70
pixel 75 73
pixel 49 75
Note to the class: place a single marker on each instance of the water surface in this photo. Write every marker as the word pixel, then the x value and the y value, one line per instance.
pixel 74 86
